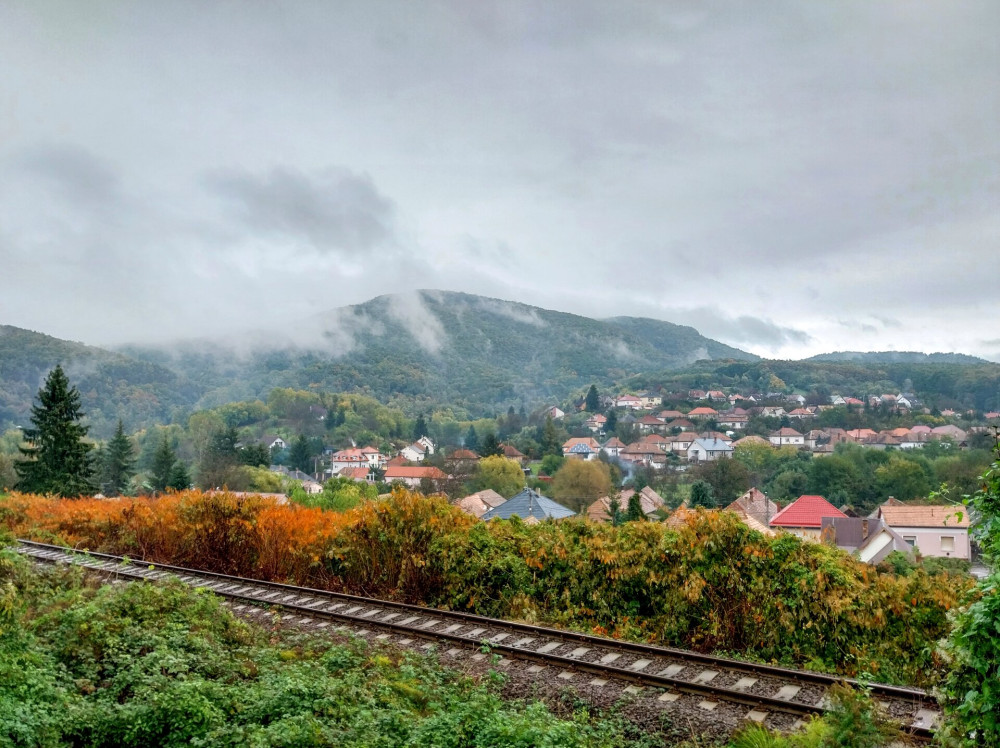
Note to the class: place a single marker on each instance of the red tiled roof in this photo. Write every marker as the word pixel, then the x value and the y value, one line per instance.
pixel 354 473
pixel 463 454
pixel 703 412
pixel 806 511
pixel 406 471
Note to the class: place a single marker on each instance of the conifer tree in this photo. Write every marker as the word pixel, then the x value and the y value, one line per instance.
pixel 634 511
pixel 58 460
pixel 163 463
pixel 593 400
pixel 180 478
pixel 490 446
pixel 472 439
pixel 420 427
pixel 118 464
pixel 300 456
pixel 612 423
pixel 550 438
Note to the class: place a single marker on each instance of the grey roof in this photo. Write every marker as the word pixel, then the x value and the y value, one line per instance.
pixel 713 445
pixel 527 504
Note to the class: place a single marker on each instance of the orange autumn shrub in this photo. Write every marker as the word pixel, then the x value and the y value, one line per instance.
pixel 710 583
pixel 217 531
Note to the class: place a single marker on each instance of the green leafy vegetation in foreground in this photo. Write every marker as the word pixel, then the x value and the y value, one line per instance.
pixel 154 665
pixel 971 693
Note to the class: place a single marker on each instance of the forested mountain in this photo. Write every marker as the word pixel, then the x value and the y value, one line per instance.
pixel 898 357
pixel 112 385
pixel 468 351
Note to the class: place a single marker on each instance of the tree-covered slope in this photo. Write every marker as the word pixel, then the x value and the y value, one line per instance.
pixel 466 350
pixel 898 357
pixel 111 385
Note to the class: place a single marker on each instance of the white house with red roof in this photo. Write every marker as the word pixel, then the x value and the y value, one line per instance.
pixel 629 401
pixel 804 516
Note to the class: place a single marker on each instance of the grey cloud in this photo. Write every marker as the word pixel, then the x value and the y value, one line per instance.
pixel 334 210
pixel 410 310
pixel 741 330
pixel 76 174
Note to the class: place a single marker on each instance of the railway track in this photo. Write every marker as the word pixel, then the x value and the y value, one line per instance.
pixel 762 692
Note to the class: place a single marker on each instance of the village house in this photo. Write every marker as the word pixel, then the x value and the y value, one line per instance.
pixel 804 517
pixel 649 501
pixel 786 437
pixel 703 413
pixel 272 442
pixel 643 453
pixel 358 474
pixel 630 402
pixel 461 460
pixel 613 446
pixel 596 423
pixel 530 506
pixel 513 453
pixel 650 400
pixel 649 424
pixel 555 412
pixel 871 540
pixel 756 507
pixel 411 476
pixel 479 503
pixel 935 530
pixel 581 448
pixel 707 450
pixel 680 423
pixel 735 419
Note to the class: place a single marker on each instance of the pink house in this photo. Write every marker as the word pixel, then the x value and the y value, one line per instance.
pixel 931 530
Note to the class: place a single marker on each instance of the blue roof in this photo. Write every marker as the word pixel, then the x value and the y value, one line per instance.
pixel 580 449
pixel 713 445
pixel 529 503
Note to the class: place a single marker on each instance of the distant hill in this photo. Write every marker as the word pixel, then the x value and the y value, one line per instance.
pixel 899 357
pixel 111 385
pixel 469 351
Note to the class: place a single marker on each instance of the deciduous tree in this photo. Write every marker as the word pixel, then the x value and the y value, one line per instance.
pixel 579 483
pixel 500 474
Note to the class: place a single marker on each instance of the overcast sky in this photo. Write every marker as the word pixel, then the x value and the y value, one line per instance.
pixel 788 177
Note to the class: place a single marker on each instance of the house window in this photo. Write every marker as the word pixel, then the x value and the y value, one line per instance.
pixel 947 544
pixel 911 540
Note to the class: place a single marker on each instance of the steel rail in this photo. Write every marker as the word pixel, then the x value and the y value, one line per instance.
pixel 236 589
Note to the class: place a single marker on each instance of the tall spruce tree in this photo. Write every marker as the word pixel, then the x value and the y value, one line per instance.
pixel 593 399
pixel 420 427
pixel 118 463
pixel 490 446
pixel 163 463
pixel 300 456
pixel 57 459
pixel 634 511
pixel 472 439
pixel 180 479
